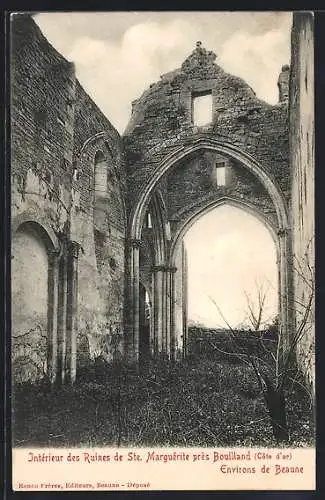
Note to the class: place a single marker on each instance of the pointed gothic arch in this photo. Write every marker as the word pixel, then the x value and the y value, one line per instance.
pixel 167 269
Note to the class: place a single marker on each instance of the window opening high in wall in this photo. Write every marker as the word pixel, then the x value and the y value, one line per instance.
pixel 202 109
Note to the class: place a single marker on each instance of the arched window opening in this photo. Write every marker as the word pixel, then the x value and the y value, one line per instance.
pixel 100 175
pixel 148 223
pixel 100 194
pixel 228 272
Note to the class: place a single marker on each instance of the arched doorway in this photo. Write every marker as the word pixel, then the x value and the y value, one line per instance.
pixel 44 296
pixel 33 296
pixel 203 189
pixel 232 275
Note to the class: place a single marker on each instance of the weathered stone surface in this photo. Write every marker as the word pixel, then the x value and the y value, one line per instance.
pixel 77 186
pixel 241 131
pixel 162 121
pixel 302 159
pixel 56 132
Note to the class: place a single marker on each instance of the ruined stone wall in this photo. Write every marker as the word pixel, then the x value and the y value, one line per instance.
pixel 55 132
pixel 302 154
pixel 200 171
pixel 242 131
pixel 98 223
pixel 30 261
pixel 162 121
pixel 42 85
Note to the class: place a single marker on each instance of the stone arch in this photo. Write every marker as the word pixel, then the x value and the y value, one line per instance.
pixel 159 254
pixel 39 231
pixel 200 211
pixel 34 322
pixel 107 188
pixel 179 319
pixel 99 137
pixel 85 156
pixel 42 226
pixel 167 270
pixel 101 228
pixel 228 150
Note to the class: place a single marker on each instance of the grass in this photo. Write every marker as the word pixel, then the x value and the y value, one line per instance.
pixel 201 401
